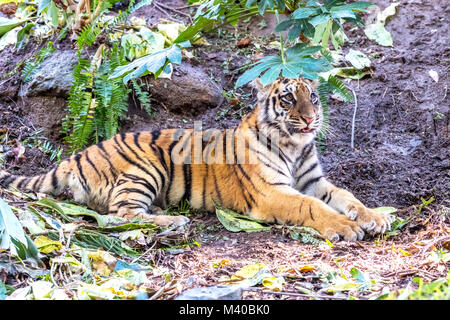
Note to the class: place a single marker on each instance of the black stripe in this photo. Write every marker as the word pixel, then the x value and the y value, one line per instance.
pixel 8 180
pixel 187 172
pixel 136 136
pixel 205 178
pixel 80 169
pixel 310 182
pixel 106 178
pixel 305 152
pixel 155 135
pixel 105 155
pixel 125 157
pixel 271 183
pixel 139 180
pixel 54 180
pixel 92 164
pixel 163 180
pixel 329 197
pixel 243 189
pixel 310 213
pixel 20 184
pixel 172 165
pixel 270 166
pixel 311 168
pixel 35 184
pixel 216 186
pixel 136 190
pixel 143 203
pixel 300 212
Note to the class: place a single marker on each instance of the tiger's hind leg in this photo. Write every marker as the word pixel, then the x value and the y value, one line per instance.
pixel 132 197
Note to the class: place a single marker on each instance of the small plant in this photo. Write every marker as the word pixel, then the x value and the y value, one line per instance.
pixel 32 66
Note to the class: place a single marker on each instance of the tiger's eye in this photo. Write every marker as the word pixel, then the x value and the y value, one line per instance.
pixel 288 97
pixel 314 98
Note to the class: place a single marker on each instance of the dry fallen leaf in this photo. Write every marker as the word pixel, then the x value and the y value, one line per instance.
pixel 243 43
pixel 434 75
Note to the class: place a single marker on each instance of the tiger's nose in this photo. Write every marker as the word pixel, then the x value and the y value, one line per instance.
pixel 307 119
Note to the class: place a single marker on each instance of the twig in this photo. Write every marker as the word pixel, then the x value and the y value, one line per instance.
pixel 160 8
pixel 174 10
pixel 294 294
pixel 428 246
pixel 352 140
pixel 166 287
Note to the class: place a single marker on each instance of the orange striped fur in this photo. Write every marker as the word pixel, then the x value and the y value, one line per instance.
pixel 267 168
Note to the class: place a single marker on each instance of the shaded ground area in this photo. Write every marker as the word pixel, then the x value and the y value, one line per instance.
pixel 401 155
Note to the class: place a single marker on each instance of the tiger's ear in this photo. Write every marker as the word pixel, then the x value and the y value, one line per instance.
pixel 314 83
pixel 261 90
pixel 257 85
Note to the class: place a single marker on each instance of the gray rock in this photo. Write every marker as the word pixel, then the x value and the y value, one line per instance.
pixel 190 91
pixel 212 293
pixel 54 76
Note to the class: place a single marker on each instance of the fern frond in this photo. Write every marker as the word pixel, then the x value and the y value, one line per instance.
pixel 143 97
pixel 336 86
pixel 88 35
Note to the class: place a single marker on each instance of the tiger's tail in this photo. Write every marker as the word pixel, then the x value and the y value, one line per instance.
pixel 52 182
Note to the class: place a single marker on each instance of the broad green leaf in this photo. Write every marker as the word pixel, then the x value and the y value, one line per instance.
pixel 358 275
pixel 235 222
pixel 250 74
pixel 377 31
pixel 302 13
pixel 326 34
pixel 320 19
pixel 9 24
pixel 342 12
pixel 351 73
pixel 284 25
pixel 10 227
pixel 318 32
pixel 379 34
pixel 344 286
pixel 385 210
pixel 46 245
pixel 271 75
pixel 54 14
pixel 42 5
pixel 302 49
pixel 22 35
pixel 55 206
pixel 358 59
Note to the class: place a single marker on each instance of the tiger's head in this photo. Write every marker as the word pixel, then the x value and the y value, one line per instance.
pixel 291 105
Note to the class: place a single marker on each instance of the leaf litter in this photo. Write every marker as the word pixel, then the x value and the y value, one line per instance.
pixel 92 256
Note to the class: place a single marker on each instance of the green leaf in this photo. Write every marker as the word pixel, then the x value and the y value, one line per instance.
pixel 358 59
pixel 9 24
pixel 10 227
pixel 235 222
pixel 270 75
pixel 284 25
pixel 358 275
pixel 320 19
pixel 54 14
pixel 302 13
pixel 42 5
pixel 53 205
pixel 385 210
pixel 250 74
pixel 22 35
pixel 379 34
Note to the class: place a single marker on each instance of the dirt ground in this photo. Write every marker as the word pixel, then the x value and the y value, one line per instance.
pixel 401 155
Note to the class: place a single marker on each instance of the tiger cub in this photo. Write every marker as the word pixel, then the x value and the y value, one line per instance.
pixel 267 167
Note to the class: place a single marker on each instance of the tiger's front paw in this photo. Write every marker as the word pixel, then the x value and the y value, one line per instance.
pixel 370 221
